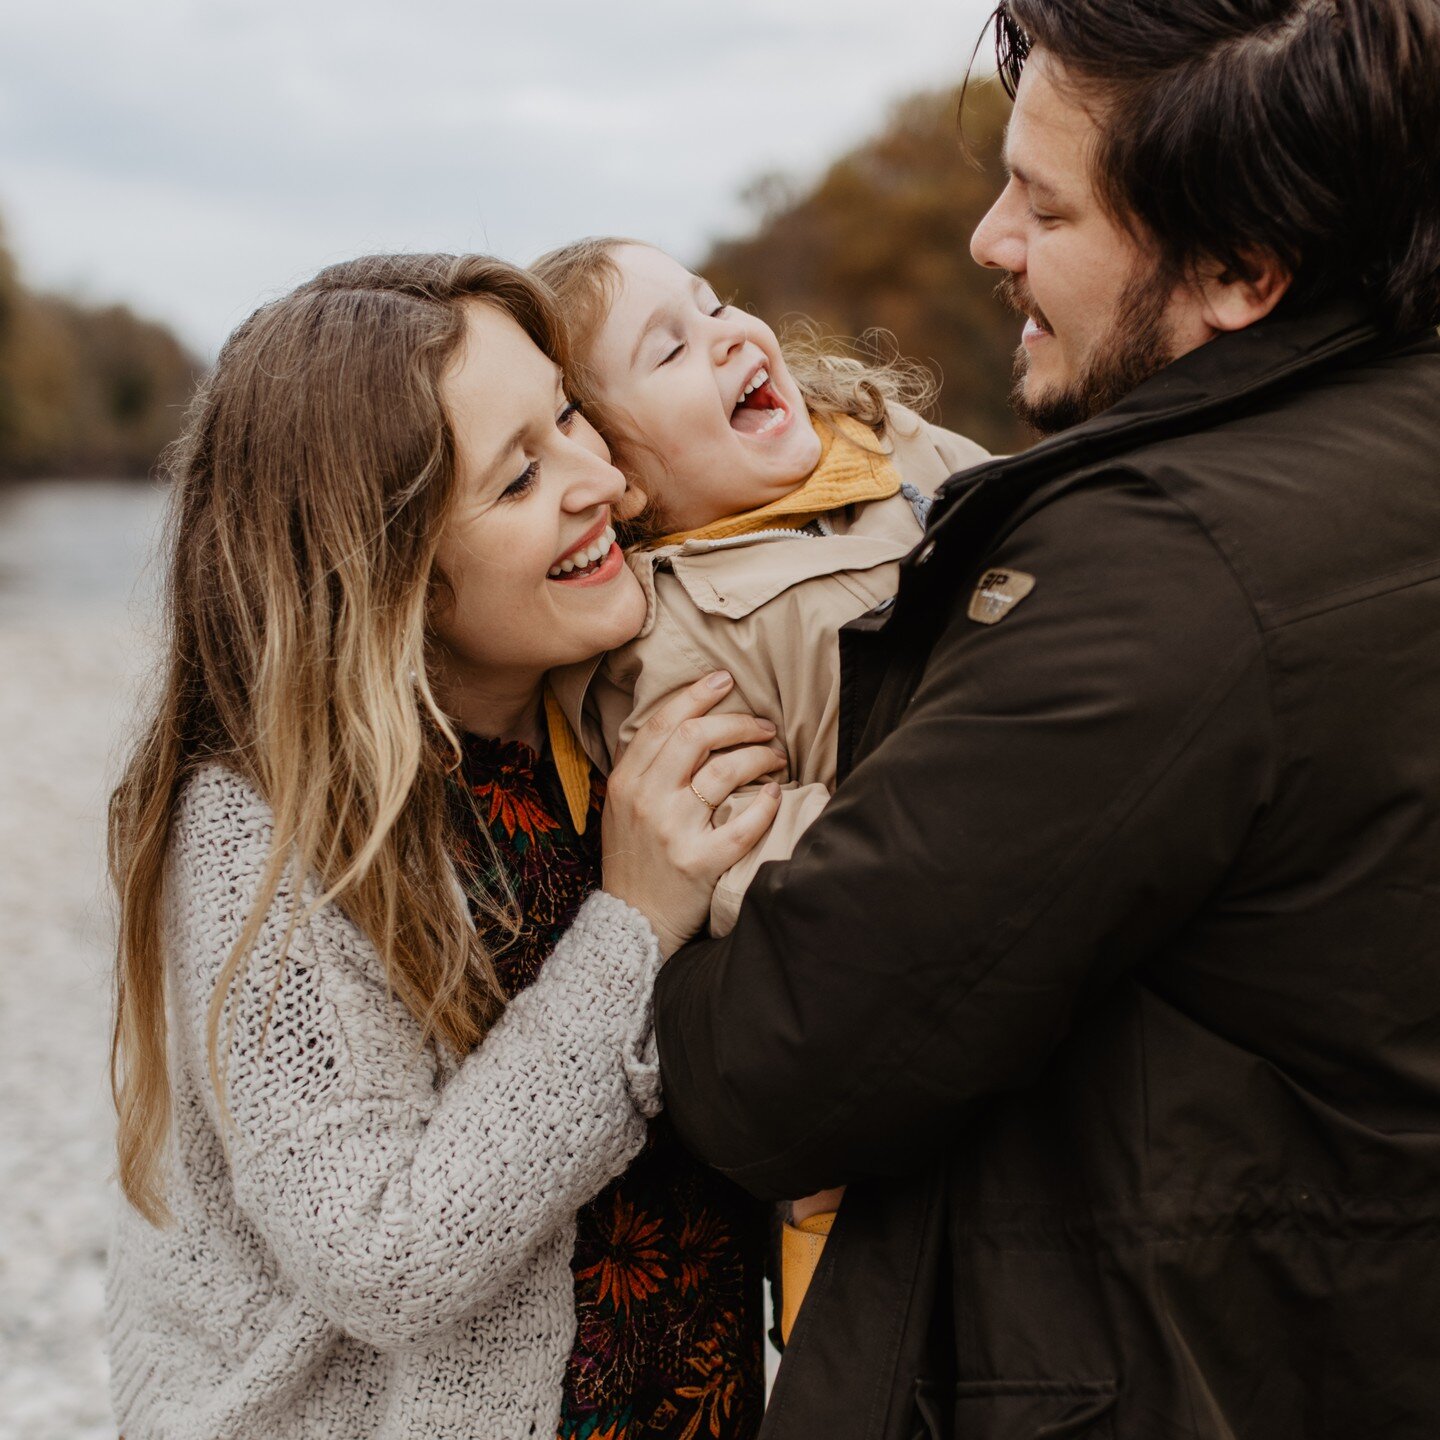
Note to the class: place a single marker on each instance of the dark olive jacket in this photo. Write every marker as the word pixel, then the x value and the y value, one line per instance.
pixel 1110 979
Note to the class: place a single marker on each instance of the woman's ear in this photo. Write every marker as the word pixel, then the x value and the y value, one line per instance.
pixel 1231 301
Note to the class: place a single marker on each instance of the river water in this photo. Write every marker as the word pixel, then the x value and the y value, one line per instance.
pixel 77 547
pixel 77 591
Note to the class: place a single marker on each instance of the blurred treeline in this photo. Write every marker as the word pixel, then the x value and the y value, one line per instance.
pixel 84 389
pixel 882 240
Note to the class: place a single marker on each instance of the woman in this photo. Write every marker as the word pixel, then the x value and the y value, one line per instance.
pixel 355 1151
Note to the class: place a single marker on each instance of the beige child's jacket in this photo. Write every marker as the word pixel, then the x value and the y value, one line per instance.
pixel 768 608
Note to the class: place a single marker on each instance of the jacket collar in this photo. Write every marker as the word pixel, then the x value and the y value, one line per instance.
pixel 1215 377
pixel 731 578
pixel 570 682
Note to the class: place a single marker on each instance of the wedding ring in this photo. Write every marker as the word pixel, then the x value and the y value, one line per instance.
pixel 706 803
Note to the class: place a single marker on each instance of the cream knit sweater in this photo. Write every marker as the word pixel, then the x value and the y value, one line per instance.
pixel 385 1251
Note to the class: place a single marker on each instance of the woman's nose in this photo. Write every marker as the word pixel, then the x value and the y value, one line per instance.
pixel 593 481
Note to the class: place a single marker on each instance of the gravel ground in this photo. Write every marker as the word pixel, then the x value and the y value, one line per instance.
pixel 63 705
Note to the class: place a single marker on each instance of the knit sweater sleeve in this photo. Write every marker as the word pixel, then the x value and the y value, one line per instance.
pixel 398 1195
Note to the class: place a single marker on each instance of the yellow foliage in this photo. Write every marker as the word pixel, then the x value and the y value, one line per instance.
pixel 882 239
pixel 84 389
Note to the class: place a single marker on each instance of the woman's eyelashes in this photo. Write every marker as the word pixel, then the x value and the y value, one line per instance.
pixel 524 482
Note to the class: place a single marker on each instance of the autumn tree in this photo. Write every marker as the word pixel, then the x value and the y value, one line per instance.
pixel 84 389
pixel 882 239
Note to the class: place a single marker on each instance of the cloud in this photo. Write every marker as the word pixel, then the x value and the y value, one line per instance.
pixel 192 157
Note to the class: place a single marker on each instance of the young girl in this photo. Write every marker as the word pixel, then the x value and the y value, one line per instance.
pixel 781 498
pixel 384 1071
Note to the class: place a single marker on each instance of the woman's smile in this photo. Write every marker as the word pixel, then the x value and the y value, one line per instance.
pixel 595 559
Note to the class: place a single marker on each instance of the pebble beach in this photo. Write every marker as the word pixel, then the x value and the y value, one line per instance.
pixel 76 627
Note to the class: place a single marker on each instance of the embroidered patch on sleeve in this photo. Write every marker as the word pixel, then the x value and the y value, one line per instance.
pixel 998 593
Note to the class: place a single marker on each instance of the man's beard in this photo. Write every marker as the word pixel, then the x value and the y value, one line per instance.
pixel 1138 348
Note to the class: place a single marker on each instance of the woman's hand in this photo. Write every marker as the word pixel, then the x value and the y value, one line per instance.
pixel 661 853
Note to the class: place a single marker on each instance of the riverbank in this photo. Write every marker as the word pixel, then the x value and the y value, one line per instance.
pixel 73 644
pixel 61 710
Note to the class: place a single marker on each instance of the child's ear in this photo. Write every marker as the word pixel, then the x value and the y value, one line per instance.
pixel 631 503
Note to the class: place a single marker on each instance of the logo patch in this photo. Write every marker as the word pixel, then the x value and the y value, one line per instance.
pixel 998 593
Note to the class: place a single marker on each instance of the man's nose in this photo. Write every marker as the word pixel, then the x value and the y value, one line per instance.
pixel 997 243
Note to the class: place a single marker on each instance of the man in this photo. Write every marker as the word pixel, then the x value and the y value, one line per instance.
pixel 1110 979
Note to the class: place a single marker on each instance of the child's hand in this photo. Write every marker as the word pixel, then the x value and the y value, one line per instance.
pixel 820 1203
pixel 661 853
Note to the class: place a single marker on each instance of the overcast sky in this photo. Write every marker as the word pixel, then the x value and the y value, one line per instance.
pixel 194 157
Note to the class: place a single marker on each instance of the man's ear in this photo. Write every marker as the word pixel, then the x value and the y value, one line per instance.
pixel 1230 301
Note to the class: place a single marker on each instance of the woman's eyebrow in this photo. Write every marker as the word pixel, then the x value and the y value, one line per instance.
pixel 490 471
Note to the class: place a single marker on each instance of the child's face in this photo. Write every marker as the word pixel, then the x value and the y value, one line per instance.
pixel 676 365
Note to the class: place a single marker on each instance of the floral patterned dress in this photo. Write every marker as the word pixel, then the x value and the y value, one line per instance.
pixel 668 1257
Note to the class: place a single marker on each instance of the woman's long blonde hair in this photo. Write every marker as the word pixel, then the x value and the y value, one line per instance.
pixel 861 378
pixel 310 490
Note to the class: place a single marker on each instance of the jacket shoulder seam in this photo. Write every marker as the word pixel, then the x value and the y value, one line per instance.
pixel 1371 589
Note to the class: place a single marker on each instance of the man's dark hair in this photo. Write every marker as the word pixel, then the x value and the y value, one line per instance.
pixel 1308 129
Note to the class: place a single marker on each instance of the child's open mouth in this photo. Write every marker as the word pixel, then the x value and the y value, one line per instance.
pixel 759 410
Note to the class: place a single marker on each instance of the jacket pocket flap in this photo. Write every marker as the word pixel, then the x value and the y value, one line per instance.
pixel 1020 1409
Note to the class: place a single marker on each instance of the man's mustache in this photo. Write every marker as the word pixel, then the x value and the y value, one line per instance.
pixel 1015 294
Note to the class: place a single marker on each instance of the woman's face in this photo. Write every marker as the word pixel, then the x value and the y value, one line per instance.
pixel 720 424
pixel 535 576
